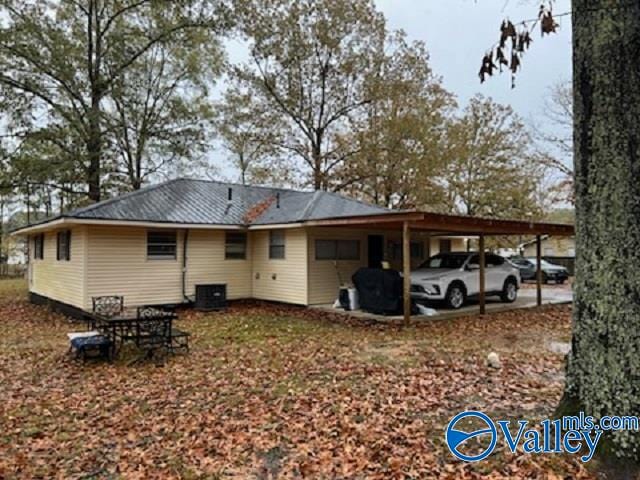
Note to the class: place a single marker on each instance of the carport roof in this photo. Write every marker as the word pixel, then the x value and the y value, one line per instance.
pixel 448 224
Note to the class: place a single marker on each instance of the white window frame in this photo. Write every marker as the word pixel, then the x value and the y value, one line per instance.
pixel 228 255
pixel 167 243
pixel 63 246
pixel 336 249
pixel 38 246
pixel 277 242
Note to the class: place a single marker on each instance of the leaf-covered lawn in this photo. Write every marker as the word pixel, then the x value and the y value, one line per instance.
pixel 270 392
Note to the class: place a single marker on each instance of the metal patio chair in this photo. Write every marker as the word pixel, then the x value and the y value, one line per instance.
pixel 153 329
pixel 177 340
pixel 108 305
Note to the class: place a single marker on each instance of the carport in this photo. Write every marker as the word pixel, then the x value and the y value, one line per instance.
pixel 451 225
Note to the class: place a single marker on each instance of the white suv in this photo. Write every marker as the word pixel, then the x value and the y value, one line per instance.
pixel 454 277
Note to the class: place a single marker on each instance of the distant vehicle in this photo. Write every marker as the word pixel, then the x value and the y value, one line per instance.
pixel 453 277
pixel 550 271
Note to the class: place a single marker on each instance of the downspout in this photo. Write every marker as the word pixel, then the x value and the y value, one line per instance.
pixel 185 298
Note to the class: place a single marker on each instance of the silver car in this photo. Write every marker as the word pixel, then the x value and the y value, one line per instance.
pixel 454 277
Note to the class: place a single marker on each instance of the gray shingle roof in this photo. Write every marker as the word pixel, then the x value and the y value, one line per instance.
pixel 206 202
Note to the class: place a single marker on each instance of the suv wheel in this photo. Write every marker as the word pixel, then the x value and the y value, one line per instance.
pixel 456 296
pixel 509 291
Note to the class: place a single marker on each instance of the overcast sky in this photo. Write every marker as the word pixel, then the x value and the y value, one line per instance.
pixel 457 34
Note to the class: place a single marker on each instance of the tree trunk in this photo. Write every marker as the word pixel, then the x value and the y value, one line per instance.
pixel 2 257
pixel 136 178
pixel 28 204
pixel 317 166
pixel 603 371
pixel 94 135
pixel 243 168
pixel 137 183
pixel 94 148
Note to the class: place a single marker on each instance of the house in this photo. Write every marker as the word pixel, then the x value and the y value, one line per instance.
pixel 558 250
pixel 551 247
pixel 506 251
pixel 153 246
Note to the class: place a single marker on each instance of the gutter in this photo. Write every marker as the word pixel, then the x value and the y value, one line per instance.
pixel 185 298
pixel 63 221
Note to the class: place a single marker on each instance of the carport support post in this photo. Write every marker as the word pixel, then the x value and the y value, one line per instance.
pixel 482 277
pixel 406 271
pixel 539 270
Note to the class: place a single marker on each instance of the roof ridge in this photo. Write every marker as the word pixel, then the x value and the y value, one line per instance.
pixel 109 201
pixel 361 202
pixel 236 184
pixel 312 203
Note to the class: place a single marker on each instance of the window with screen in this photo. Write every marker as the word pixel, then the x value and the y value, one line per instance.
pixel 38 247
pixel 337 250
pixel 64 246
pixel 326 250
pixel 348 250
pixel 276 244
pixel 235 246
pixel 162 245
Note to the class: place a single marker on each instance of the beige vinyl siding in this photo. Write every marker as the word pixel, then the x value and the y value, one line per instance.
pixel 62 281
pixel 553 247
pixel 325 276
pixel 206 264
pixel 117 264
pixel 290 282
pixel 109 260
pixel 458 244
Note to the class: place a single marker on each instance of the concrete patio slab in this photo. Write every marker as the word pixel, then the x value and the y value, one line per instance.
pixel 526 299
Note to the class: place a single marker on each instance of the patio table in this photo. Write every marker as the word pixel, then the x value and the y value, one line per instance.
pixel 125 326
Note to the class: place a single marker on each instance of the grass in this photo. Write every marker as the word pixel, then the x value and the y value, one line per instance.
pixel 11 288
pixel 270 391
